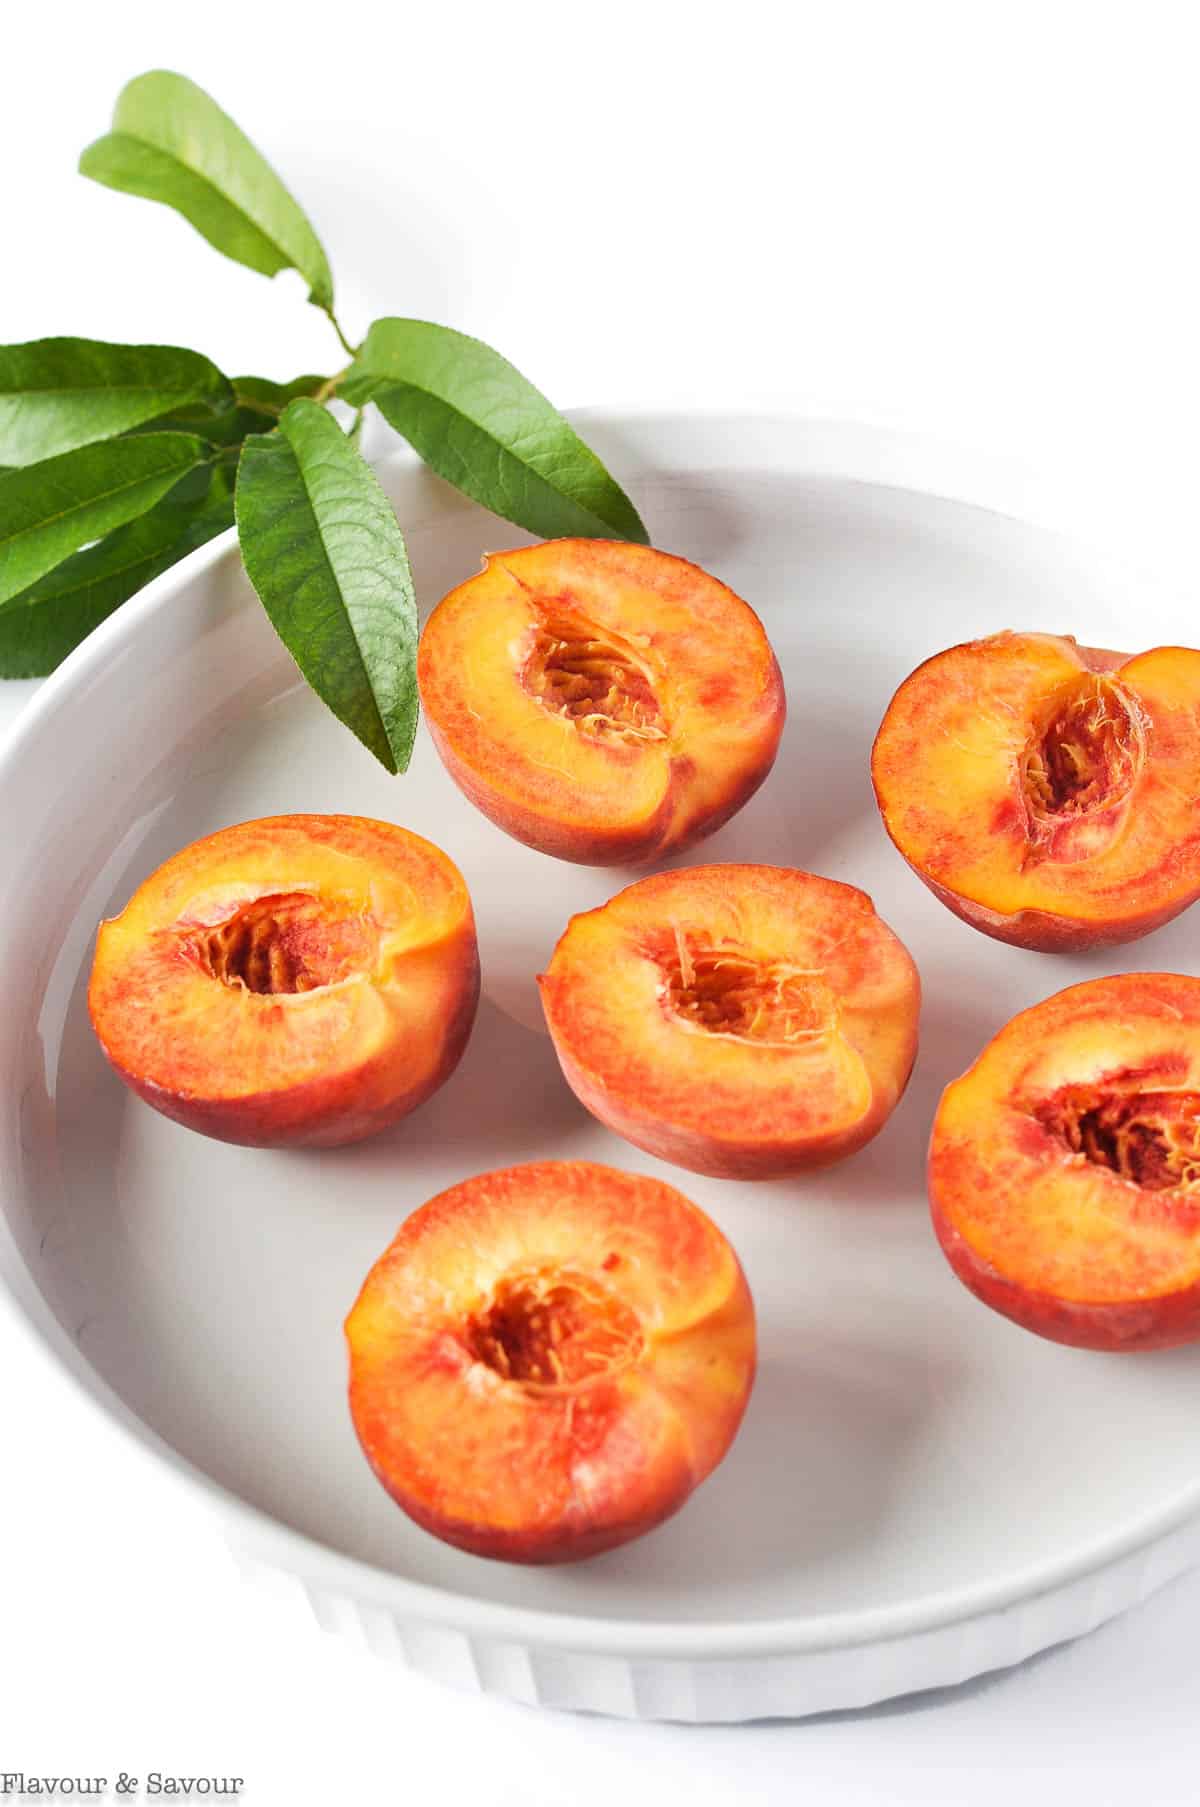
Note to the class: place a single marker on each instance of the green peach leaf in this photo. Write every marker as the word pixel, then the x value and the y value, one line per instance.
pixel 171 142
pixel 58 394
pixel 41 625
pixel 478 423
pixel 323 549
pixel 52 509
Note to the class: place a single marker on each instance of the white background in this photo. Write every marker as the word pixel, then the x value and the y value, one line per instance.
pixel 974 219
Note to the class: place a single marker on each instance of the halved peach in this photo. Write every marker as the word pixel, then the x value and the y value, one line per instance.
pixel 300 980
pixel 742 1021
pixel 1064 1170
pixel 602 702
pixel 548 1359
pixel 1047 792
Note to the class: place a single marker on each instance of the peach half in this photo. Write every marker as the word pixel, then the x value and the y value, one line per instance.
pixel 1046 792
pixel 301 980
pixel 548 1359
pixel 743 1021
pixel 602 702
pixel 1064 1170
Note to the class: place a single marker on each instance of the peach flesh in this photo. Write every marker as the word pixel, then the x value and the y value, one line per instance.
pixel 603 703
pixel 1149 1138
pixel 549 1359
pixel 552 1327
pixel 303 980
pixel 599 686
pixel 1086 756
pixel 280 944
pixel 1064 1167
pixel 747 1022
pixel 1042 790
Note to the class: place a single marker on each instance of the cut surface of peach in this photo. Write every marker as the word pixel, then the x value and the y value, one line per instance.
pixel 742 1021
pixel 548 1359
pixel 602 702
pixel 1045 792
pixel 1064 1168
pixel 301 979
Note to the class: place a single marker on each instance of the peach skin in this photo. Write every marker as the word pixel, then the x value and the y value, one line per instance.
pixel 299 981
pixel 1047 792
pixel 746 1022
pixel 601 702
pixel 1064 1169
pixel 548 1359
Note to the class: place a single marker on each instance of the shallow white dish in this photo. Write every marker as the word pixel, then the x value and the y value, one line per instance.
pixel 920 1491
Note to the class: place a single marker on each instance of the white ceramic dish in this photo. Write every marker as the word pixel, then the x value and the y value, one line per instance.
pixel 920 1491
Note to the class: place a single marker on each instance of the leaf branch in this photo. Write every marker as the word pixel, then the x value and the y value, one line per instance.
pixel 351 351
